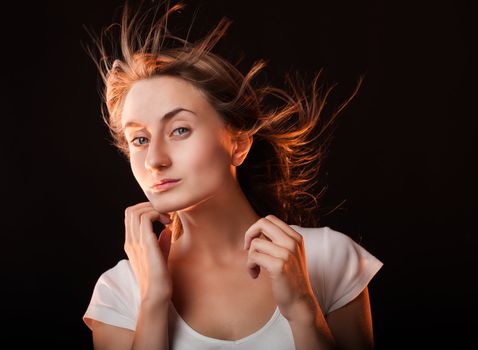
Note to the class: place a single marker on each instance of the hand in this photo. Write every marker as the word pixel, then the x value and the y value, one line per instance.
pixel 147 254
pixel 282 254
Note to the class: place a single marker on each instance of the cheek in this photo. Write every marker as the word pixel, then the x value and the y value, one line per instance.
pixel 208 163
pixel 137 167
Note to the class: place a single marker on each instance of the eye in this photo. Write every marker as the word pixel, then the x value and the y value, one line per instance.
pixel 138 138
pixel 181 129
pixel 142 138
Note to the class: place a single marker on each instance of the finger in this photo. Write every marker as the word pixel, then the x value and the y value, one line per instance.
pixel 164 242
pixel 270 263
pixel 131 225
pixel 285 227
pixel 127 226
pixel 165 217
pixel 136 219
pixel 146 219
pixel 135 222
pixel 148 241
pixel 131 234
pixel 267 247
pixel 271 231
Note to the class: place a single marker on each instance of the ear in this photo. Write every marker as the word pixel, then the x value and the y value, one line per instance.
pixel 241 146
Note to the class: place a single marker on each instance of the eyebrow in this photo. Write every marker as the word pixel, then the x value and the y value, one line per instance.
pixel 165 117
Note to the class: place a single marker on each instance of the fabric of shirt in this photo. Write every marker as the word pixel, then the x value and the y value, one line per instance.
pixel 339 269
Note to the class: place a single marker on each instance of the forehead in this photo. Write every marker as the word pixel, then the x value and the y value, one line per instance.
pixel 162 92
pixel 150 99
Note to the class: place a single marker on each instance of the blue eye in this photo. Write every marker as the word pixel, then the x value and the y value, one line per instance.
pixel 142 137
pixel 136 138
pixel 180 129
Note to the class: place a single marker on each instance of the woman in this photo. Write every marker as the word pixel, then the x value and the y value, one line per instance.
pixel 241 262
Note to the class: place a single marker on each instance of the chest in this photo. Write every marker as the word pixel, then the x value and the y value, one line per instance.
pixel 222 304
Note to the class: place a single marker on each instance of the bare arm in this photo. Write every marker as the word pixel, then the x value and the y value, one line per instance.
pixel 148 258
pixel 152 328
pixel 351 324
pixel 108 337
pixel 151 332
pixel 347 328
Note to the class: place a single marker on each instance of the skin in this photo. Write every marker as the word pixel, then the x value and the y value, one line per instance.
pixel 213 209
pixel 220 227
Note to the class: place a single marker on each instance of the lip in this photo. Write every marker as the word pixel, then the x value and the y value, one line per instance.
pixel 164 185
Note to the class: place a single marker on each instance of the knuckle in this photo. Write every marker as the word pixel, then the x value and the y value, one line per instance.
pixel 143 217
pixel 147 214
pixel 262 220
pixel 253 243
pixel 249 236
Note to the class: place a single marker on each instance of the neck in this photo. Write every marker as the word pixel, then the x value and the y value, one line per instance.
pixel 213 230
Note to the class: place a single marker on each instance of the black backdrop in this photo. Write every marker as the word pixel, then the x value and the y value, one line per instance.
pixel 402 156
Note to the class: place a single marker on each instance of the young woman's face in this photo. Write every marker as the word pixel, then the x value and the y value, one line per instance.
pixel 174 133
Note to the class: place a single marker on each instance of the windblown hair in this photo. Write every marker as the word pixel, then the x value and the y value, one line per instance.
pixel 280 175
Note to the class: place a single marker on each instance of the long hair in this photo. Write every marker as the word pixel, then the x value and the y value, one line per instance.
pixel 281 173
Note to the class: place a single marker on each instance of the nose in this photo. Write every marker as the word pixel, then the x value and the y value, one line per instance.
pixel 157 157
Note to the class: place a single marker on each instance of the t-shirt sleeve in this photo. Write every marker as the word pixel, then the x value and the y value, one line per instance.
pixel 345 268
pixel 114 298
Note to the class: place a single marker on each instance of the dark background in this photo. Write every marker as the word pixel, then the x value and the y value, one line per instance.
pixel 402 156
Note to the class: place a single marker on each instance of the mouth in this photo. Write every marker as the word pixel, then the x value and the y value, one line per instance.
pixel 163 186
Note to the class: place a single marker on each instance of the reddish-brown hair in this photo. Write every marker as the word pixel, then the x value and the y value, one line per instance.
pixel 280 175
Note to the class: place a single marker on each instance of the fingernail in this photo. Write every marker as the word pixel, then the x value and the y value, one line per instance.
pixel 167 220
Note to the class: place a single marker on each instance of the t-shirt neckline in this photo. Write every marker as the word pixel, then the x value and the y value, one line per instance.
pixel 249 337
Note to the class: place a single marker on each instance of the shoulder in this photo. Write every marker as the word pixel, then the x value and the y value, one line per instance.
pixel 339 268
pixel 119 280
pixel 120 274
pixel 324 234
pixel 330 244
pixel 325 241
pixel 115 298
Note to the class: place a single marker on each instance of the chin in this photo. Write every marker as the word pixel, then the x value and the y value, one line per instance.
pixel 172 201
pixel 168 201
pixel 160 203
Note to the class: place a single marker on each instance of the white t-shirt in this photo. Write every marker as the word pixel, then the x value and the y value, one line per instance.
pixel 339 269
